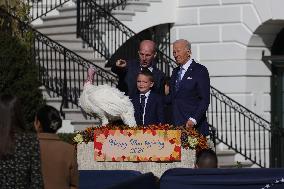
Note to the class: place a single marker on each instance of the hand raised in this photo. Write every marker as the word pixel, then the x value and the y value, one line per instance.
pixel 120 63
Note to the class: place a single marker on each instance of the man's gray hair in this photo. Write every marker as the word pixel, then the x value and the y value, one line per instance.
pixel 187 43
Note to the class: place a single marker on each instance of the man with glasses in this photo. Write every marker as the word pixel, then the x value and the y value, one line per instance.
pixel 127 71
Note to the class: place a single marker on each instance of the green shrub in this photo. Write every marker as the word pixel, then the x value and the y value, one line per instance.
pixel 67 137
pixel 17 8
pixel 18 71
pixel 19 75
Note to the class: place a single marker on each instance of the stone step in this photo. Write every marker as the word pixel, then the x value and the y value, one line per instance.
pixel 247 140
pixel 70 75
pixel 230 157
pixel 64 11
pixel 249 152
pixel 72 68
pixel 59 59
pixel 123 15
pixel 59 28
pixel 47 93
pixel 235 164
pixel 57 21
pixel 67 9
pixel 74 44
pixel 155 1
pixel 55 30
pixel 53 64
pixel 82 125
pixel 55 67
pixel 62 36
pixel 54 102
pixel 74 78
pixel 225 156
pixel 85 53
pixel 67 127
pixel 71 20
pixel 59 53
pixel 76 114
pixel 225 122
pixel 138 6
pixel 239 128
pixel 74 82
pixel 131 6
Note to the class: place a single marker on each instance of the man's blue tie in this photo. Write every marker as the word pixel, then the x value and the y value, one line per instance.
pixel 179 78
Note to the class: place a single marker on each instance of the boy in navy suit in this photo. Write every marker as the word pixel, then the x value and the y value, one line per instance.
pixel 148 105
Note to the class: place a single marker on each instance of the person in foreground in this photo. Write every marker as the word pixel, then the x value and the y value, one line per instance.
pixel 128 71
pixel 206 158
pixel 20 166
pixel 189 89
pixel 148 105
pixel 59 162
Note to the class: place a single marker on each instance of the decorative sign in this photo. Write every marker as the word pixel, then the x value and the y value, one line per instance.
pixel 137 145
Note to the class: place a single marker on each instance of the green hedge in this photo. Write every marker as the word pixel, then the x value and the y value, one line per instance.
pixel 18 71
pixel 67 137
pixel 19 75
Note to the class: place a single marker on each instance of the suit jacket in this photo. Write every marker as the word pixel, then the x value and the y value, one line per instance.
pixel 59 162
pixel 154 111
pixel 22 169
pixel 128 77
pixel 192 98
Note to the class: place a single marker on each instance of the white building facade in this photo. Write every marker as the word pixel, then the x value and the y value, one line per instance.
pixel 229 38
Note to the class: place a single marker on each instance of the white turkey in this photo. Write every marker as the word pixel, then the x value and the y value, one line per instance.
pixel 106 102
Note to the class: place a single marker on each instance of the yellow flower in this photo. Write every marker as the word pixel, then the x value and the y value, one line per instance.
pixel 78 138
pixel 192 142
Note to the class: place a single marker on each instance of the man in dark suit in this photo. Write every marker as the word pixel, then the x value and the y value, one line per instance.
pixel 148 105
pixel 128 71
pixel 190 89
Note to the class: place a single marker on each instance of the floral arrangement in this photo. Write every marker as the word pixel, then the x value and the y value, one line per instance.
pixel 190 138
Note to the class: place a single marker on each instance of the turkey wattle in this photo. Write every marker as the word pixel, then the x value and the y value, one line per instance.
pixel 106 102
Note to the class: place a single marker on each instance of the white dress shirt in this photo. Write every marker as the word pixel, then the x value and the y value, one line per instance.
pixel 146 99
pixel 185 67
pixel 149 68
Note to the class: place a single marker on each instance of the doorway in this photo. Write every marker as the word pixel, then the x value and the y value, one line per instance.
pixel 277 81
pixel 277 102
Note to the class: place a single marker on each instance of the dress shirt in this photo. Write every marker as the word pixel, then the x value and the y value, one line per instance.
pixel 149 68
pixel 185 67
pixel 146 99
